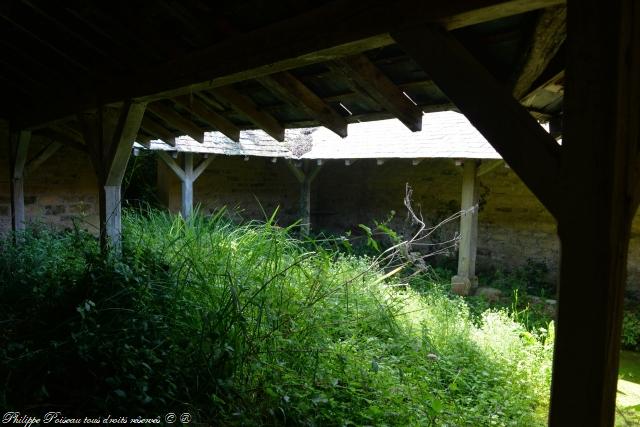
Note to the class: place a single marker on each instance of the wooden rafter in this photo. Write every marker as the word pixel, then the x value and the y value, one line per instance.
pixel 41 157
pixel 43 40
pixel 548 35
pixel 293 91
pixel 368 27
pixel 244 105
pixel 177 121
pixel 362 73
pixel 217 121
pixel 78 38
pixel 144 139
pixel 66 135
pixel 555 85
pixel 521 141
pixel 62 138
pixel 158 131
pixel 357 92
pixel 355 27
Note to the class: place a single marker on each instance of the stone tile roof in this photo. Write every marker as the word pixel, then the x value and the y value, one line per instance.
pixel 444 135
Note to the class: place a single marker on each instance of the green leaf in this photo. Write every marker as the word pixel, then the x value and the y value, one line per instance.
pixel 436 405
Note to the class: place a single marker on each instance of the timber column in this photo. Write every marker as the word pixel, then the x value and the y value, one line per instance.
pixel 19 146
pixel 305 173
pixel 187 176
pixel 466 281
pixel 109 133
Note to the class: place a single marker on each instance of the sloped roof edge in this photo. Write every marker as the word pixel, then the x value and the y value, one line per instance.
pixel 444 135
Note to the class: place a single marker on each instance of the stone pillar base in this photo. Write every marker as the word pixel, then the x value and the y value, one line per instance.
pixel 462 285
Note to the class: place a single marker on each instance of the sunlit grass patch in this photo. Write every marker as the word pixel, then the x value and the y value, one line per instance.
pixel 247 325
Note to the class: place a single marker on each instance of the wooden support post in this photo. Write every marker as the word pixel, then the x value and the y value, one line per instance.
pixel 465 281
pixel 305 176
pixel 111 217
pixel 305 206
pixel 187 186
pixel 109 133
pixel 600 175
pixel 187 175
pixel 19 146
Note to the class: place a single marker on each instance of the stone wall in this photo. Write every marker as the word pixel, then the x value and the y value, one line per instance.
pixel 514 227
pixel 61 192
pixel 251 189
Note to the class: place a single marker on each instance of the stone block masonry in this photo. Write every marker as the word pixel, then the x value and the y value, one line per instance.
pixel 513 226
pixel 60 192
pixel 251 189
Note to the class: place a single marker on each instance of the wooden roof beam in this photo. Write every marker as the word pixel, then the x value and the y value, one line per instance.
pixel 63 138
pixel 549 34
pixel 293 91
pixel 360 71
pixel 244 105
pixel 555 84
pixel 159 131
pixel 215 120
pixel 355 27
pixel 510 129
pixel 174 119
pixel 66 135
pixel 368 27
pixel 42 156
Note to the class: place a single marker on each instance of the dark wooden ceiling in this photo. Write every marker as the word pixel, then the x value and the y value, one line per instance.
pixel 237 65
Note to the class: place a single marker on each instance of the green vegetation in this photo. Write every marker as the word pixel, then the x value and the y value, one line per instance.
pixel 631 329
pixel 628 401
pixel 245 325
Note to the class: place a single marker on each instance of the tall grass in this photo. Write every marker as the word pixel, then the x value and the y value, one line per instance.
pixel 245 325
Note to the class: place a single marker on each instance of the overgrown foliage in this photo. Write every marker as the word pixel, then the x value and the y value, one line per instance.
pixel 631 329
pixel 244 325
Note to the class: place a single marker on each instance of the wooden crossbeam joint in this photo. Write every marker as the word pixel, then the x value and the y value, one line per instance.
pixel 202 166
pixel 109 134
pixel 521 141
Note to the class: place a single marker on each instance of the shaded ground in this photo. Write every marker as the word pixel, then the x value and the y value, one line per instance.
pixel 628 402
